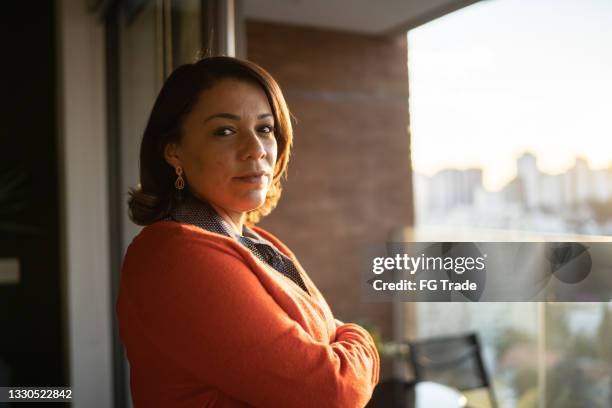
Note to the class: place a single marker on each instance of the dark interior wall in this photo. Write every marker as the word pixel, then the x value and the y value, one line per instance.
pixel 31 343
pixel 350 175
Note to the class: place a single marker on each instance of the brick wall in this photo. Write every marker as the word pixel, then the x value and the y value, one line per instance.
pixel 350 173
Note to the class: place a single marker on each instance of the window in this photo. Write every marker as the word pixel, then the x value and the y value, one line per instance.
pixel 509 105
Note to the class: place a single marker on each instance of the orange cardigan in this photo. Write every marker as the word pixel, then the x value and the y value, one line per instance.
pixel 205 323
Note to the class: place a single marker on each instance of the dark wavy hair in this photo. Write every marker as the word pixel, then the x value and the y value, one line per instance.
pixel 155 196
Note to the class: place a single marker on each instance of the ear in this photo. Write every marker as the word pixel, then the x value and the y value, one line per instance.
pixel 171 155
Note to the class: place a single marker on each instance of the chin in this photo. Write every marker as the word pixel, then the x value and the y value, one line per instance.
pixel 251 204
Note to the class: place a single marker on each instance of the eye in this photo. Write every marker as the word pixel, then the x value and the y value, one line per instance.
pixel 224 131
pixel 267 129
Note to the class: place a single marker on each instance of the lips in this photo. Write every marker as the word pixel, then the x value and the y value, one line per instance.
pixel 253 174
pixel 255 177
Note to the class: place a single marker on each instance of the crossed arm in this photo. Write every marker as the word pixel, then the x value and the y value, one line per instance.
pixel 221 325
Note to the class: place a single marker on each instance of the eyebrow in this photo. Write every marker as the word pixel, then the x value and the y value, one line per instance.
pixel 234 117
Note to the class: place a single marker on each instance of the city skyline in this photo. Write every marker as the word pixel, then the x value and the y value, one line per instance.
pixel 575 201
pixel 515 174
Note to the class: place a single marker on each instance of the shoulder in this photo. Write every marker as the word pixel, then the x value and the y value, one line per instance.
pixel 172 240
pixel 168 255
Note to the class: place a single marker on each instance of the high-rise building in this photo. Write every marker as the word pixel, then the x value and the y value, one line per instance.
pixel 528 173
pixel 452 187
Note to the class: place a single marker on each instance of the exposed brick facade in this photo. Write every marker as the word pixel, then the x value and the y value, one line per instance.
pixel 350 173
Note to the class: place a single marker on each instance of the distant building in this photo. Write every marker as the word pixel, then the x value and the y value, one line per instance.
pixel 513 192
pixel 421 186
pixel 551 194
pixel 528 174
pixel 580 181
pixel 602 184
pixel 451 187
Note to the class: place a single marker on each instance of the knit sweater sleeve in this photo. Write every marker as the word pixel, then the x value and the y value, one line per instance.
pixel 201 305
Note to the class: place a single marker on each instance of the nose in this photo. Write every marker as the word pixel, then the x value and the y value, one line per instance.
pixel 252 147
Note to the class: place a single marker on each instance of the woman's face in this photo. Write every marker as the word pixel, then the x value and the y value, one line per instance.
pixel 228 147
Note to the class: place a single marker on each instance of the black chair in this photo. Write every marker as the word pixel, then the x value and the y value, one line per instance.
pixel 455 361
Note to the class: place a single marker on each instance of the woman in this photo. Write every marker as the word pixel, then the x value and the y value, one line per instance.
pixel 214 311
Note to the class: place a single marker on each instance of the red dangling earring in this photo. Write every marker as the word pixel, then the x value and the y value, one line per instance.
pixel 179 184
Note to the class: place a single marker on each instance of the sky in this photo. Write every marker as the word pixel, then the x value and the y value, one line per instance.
pixel 502 77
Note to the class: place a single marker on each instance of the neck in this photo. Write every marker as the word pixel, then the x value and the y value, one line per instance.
pixel 234 219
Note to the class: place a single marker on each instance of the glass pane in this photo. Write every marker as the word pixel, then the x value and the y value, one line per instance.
pixel 508 133
pixel 187 31
pixel 578 355
pixel 508 335
pixel 510 126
